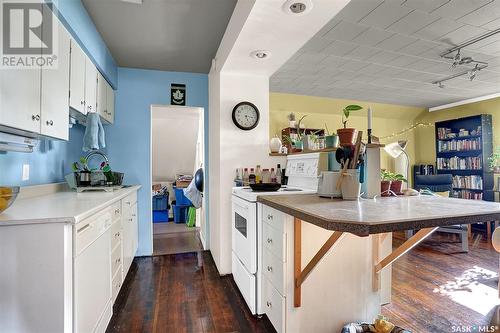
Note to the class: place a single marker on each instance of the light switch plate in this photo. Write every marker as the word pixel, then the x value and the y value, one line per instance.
pixel 26 172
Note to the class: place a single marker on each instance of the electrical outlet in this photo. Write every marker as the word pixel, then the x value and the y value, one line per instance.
pixel 26 172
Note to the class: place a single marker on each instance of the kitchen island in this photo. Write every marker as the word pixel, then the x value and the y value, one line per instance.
pixel 336 257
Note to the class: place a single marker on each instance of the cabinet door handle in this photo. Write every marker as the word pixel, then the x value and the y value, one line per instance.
pixel 269 241
pixel 82 102
pixel 269 304
pixel 269 217
pixel 117 211
pixel 82 229
pixel 269 268
pixel 35 117
pixel 50 123
pixel 130 220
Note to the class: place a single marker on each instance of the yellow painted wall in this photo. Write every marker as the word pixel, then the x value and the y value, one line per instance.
pixel 426 149
pixel 387 118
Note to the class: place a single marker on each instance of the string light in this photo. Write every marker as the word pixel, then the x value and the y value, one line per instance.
pixel 408 129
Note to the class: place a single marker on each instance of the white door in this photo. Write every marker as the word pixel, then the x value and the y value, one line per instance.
pixel 20 97
pixel 55 90
pixel 90 86
pixel 101 96
pixel 77 78
pixel 110 102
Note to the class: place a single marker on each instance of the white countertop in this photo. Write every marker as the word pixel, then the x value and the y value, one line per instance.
pixel 61 207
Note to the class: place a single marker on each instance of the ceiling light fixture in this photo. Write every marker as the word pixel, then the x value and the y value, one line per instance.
pixel 473 72
pixel 297 7
pixel 137 2
pixel 456 59
pixel 260 54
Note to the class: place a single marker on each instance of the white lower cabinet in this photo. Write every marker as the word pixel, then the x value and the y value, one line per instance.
pixel 63 277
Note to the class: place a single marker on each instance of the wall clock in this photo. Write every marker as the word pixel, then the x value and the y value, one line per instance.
pixel 246 116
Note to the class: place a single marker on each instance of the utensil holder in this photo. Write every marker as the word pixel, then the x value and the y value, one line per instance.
pixel 351 187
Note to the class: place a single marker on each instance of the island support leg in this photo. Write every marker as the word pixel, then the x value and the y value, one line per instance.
pixel 401 250
pixel 299 274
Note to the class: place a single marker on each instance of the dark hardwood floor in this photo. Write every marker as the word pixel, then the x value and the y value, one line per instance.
pixel 435 288
pixel 181 293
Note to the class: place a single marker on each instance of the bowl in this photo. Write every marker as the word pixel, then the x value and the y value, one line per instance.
pixel 7 196
pixel 265 187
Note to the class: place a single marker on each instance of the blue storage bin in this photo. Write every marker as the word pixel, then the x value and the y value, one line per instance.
pixel 160 216
pixel 180 198
pixel 180 213
pixel 160 202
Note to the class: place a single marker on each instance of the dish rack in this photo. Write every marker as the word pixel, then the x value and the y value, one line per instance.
pixel 98 181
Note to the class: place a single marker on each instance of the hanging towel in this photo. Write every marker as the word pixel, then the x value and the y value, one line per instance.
pixel 94 133
pixel 192 193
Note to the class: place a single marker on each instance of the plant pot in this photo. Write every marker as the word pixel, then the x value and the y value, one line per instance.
pixel 331 141
pixel 397 186
pixel 351 187
pixel 346 136
pixel 292 123
pixel 308 143
pixel 297 147
pixel 275 145
pixel 385 186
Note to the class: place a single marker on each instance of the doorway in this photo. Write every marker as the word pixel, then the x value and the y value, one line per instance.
pixel 177 152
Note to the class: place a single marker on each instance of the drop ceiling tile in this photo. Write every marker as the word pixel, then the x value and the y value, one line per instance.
pixel 310 58
pixel 354 65
pixel 462 34
pixel 357 9
pixel 372 36
pixel 492 25
pixel 413 22
pixel 333 61
pixel 384 57
pixel 345 31
pixel 403 61
pixel 482 15
pixel 340 48
pixel 493 48
pixel 396 42
pixel 417 48
pixel 363 53
pixel 385 15
pixel 425 5
pixel 373 69
pixel 458 8
pixel 317 44
pixel 437 29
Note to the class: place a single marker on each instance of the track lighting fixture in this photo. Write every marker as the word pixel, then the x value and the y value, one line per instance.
pixel 456 59
pixel 473 72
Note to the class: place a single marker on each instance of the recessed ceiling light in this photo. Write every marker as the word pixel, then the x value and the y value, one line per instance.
pixel 297 7
pixel 260 54
pixel 137 2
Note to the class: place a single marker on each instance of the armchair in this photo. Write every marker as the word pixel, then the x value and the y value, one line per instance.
pixel 443 183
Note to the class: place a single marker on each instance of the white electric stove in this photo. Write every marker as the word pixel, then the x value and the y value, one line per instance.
pixel 302 171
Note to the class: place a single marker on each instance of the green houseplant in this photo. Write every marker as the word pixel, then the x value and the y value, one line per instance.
pixel 331 139
pixel 346 135
pixel 393 180
pixel 494 161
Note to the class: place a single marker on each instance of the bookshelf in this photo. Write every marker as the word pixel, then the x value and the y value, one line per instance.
pixel 462 149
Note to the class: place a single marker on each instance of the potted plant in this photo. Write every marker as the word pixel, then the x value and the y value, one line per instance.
pixel 331 139
pixel 397 182
pixel 291 120
pixel 385 183
pixel 494 161
pixel 295 143
pixel 347 135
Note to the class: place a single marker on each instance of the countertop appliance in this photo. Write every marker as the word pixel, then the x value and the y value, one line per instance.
pixel 327 185
pixel 302 171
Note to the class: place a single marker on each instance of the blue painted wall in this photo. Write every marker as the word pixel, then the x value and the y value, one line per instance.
pixel 49 163
pixel 130 137
pixel 78 22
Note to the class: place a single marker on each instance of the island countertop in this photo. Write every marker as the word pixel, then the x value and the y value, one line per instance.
pixel 372 216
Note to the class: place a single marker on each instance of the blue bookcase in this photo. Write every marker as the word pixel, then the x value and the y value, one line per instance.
pixel 463 146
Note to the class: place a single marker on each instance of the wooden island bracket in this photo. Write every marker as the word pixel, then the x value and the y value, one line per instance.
pixel 409 244
pixel 300 275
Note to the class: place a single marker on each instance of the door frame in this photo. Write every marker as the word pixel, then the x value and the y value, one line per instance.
pixel 204 227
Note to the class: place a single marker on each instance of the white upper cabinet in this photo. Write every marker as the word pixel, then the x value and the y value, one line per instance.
pixel 110 102
pixel 20 97
pixel 55 91
pixel 90 86
pixel 77 78
pixel 105 100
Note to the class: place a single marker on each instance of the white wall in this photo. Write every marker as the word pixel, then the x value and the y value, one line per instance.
pixel 175 133
pixel 236 149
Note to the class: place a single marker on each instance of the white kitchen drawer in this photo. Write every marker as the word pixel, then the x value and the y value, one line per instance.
pixel 274 306
pixel 116 284
pixel 116 260
pixel 246 283
pixel 116 234
pixel 273 217
pixel 273 269
pixel 129 201
pixel 274 240
pixel 116 211
pixel 90 229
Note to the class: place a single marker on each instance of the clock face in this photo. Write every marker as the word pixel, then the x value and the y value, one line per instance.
pixel 246 116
